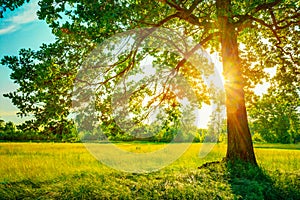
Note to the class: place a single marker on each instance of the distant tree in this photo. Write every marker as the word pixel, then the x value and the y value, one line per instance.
pixel 10 128
pixel 2 125
pixel 217 121
pixel 276 115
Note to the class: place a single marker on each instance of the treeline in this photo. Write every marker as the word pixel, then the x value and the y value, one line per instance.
pixel 163 135
pixel 260 134
pixel 10 132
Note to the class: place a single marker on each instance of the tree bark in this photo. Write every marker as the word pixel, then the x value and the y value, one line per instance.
pixel 240 144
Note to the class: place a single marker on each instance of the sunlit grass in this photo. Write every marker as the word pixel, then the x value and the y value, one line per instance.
pixel 64 171
pixel 44 161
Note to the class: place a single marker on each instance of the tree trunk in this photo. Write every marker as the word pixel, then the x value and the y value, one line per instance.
pixel 239 138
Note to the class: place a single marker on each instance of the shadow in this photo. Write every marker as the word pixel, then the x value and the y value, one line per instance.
pixel 252 182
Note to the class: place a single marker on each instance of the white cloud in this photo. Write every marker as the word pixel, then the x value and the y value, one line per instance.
pixel 23 15
pixel 9 29
pixel 27 16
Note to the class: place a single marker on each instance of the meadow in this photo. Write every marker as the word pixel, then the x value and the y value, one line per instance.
pixel 70 171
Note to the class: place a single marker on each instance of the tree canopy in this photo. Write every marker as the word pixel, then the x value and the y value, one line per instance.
pixel 11 5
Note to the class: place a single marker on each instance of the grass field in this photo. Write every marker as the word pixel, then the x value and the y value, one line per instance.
pixel 69 171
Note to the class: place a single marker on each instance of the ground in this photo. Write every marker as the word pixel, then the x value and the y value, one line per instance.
pixel 64 171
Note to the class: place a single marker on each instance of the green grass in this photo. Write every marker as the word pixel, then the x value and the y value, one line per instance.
pixel 69 171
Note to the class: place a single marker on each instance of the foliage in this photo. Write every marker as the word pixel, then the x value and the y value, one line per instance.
pixel 217 131
pixel 275 116
pixel 45 88
pixel 10 132
pixel 10 4
pixel 256 137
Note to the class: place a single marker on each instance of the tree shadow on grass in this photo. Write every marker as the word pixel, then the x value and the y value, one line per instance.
pixel 252 182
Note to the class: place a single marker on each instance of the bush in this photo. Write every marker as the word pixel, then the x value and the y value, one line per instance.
pixel 256 137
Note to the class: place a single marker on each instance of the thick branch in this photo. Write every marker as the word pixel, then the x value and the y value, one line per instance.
pixel 275 22
pixel 268 26
pixel 265 6
pixel 194 49
pixel 186 14
pixel 275 26
pixel 273 18
pixel 162 22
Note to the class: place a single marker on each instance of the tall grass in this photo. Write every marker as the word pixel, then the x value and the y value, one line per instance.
pixel 64 171
pixel 44 161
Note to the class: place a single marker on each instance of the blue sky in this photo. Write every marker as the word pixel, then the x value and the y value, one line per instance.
pixel 19 29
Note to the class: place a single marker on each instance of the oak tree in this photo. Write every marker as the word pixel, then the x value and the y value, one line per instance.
pixel 250 36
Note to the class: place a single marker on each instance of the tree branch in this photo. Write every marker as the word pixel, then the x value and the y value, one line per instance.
pixel 194 49
pixel 186 14
pixel 265 6
pixel 273 18
pixel 287 53
pixel 162 22
pixel 296 16
pixel 266 25
pixel 174 5
pixel 194 5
